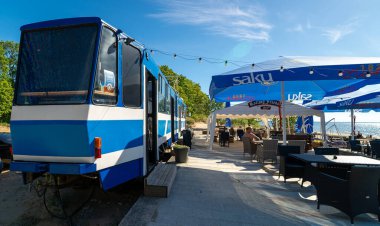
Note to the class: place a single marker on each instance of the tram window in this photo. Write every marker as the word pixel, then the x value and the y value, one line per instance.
pixel 161 103
pixel 160 83
pixel 131 76
pixel 106 78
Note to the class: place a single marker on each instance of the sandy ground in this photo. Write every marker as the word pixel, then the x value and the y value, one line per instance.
pixel 5 129
pixel 20 206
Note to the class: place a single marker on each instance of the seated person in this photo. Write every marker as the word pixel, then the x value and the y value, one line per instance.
pixel 240 132
pixel 232 131
pixel 360 135
pixel 248 133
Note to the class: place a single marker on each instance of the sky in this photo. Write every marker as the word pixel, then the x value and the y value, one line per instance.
pixel 239 31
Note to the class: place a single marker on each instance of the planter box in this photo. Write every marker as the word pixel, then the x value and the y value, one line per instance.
pixel 181 154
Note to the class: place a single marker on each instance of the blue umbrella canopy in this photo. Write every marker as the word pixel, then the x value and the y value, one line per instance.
pixel 305 78
pixel 366 97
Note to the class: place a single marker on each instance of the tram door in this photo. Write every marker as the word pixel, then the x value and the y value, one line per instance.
pixel 172 112
pixel 151 125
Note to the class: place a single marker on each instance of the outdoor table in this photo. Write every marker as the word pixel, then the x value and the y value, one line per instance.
pixel 261 141
pixel 347 160
pixel 337 165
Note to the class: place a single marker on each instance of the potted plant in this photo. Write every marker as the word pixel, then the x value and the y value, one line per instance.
pixel 181 152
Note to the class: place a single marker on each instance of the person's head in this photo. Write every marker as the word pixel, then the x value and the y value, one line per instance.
pixel 248 129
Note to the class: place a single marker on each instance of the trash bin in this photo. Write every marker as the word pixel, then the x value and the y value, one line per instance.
pixel 187 136
pixel 181 153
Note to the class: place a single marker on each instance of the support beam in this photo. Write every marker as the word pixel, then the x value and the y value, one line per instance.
pixel 283 113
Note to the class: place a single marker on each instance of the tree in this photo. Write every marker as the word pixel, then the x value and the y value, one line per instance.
pixel 8 60
pixel 197 102
pixel 8 66
pixel 6 97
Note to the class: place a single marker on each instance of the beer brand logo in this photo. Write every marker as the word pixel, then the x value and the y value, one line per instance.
pixel 252 78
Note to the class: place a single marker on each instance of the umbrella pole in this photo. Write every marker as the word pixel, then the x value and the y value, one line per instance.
pixel 283 113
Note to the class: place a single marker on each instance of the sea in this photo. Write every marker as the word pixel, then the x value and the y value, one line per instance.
pixel 344 128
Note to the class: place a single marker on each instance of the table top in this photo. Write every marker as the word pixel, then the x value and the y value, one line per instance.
pixel 261 141
pixel 340 159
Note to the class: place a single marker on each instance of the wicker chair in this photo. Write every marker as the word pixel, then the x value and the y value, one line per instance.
pixel 326 151
pixel 359 194
pixel 224 138
pixel 267 151
pixel 300 143
pixel 311 171
pixel 249 147
pixel 240 133
pixel 290 167
pixel 375 148
pixel 355 145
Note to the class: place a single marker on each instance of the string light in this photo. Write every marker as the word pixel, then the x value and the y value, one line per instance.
pixel 262 66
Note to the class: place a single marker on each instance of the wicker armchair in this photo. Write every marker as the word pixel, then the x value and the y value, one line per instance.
pixel 355 145
pixel 267 151
pixel 224 138
pixel 300 143
pixel 290 167
pixel 359 194
pixel 375 148
pixel 249 147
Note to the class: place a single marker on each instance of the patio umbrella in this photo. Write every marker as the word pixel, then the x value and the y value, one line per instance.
pixel 294 78
pixel 365 98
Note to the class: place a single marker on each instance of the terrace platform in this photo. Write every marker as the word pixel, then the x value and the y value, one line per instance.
pixel 220 187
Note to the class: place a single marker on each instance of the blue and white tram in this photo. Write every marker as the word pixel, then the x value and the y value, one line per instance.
pixel 88 102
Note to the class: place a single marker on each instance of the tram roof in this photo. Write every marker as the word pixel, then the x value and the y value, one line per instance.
pixel 148 60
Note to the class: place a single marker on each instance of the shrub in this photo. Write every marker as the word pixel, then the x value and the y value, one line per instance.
pixel 189 121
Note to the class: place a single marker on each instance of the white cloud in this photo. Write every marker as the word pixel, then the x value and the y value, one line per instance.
pixel 337 33
pixel 222 17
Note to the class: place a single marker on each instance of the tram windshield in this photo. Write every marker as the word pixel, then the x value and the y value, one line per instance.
pixel 55 65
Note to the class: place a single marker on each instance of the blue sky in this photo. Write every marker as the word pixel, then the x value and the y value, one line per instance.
pixel 241 30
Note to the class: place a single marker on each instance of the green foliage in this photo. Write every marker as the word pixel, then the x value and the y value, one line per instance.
pixel 189 121
pixel 8 60
pixel 253 122
pixel 8 65
pixel 6 97
pixel 180 147
pixel 198 103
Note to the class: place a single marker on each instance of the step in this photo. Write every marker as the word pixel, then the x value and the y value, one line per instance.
pixel 160 180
